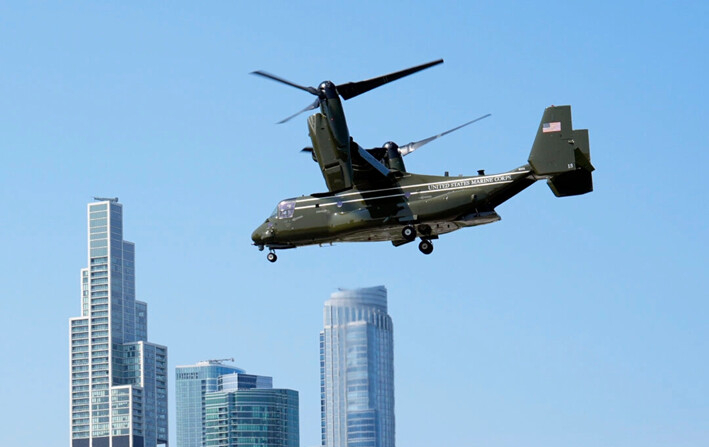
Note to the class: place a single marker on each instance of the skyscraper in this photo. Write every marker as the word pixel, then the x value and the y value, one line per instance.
pixel 192 382
pixel 220 405
pixel 252 417
pixel 357 370
pixel 118 379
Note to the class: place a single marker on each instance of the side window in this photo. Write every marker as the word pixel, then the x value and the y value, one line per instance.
pixel 286 209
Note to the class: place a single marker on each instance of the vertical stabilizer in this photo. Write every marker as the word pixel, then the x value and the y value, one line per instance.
pixel 562 154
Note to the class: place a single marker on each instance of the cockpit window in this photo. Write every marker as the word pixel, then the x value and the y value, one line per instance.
pixel 286 209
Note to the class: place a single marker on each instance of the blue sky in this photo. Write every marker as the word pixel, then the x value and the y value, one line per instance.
pixel 577 321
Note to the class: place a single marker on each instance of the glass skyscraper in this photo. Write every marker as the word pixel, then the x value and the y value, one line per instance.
pixel 220 405
pixel 357 370
pixel 192 382
pixel 118 379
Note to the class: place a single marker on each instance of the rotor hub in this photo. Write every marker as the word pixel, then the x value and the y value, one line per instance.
pixel 327 89
pixel 392 150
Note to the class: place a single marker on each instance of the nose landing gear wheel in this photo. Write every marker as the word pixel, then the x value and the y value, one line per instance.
pixel 426 247
pixel 409 233
pixel 271 257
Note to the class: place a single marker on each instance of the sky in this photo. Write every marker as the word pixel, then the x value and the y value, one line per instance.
pixel 575 321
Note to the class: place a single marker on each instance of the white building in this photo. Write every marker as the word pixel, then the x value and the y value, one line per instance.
pixel 118 379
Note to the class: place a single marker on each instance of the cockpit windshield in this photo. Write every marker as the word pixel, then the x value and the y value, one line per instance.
pixel 285 209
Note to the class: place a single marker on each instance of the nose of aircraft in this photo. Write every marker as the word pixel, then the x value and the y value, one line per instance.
pixel 260 234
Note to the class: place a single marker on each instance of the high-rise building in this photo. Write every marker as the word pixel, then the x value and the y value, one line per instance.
pixel 357 370
pixel 192 382
pixel 118 379
pixel 252 417
pixel 220 405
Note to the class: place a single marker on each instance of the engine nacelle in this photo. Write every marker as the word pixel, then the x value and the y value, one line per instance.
pixel 394 158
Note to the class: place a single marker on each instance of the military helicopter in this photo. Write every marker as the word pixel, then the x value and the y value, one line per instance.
pixel 372 197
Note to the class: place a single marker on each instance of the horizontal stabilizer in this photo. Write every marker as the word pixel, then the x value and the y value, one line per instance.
pixel 571 183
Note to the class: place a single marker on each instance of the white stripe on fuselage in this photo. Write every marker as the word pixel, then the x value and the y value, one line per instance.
pixel 481 182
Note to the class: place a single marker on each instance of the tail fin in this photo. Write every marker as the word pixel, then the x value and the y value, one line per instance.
pixel 562 154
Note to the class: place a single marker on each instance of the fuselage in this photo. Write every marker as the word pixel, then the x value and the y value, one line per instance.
pixel 372 198
pixel 434 204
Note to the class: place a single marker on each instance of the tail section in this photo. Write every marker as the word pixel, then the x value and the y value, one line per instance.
pixel 562 154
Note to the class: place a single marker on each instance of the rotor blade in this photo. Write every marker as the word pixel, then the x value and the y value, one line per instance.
pixel 352 89
pixel 311 151
pixel 312 106
pixel 311 90
pixel 409 148
pixel 369 158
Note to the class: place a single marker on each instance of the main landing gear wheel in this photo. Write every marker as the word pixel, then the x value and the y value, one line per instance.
pixel 271 257
pixel 409 233
pixel 426 246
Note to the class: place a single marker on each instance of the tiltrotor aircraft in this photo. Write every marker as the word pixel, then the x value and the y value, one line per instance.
pixel 371 196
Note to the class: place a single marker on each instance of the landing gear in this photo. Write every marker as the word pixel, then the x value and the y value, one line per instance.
pixel 426 246
pixel 425 230
pixel 408 233
pixel 272 257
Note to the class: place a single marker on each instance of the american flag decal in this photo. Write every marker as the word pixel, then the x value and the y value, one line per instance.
pixel 551 127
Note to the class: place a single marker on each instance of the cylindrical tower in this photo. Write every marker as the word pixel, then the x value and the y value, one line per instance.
pixel 357 370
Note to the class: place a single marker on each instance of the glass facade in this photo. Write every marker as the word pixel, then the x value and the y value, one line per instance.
pixel 191 384
pixel 357 370
pixel 118 379
pixel 220 405
pixel 252 418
